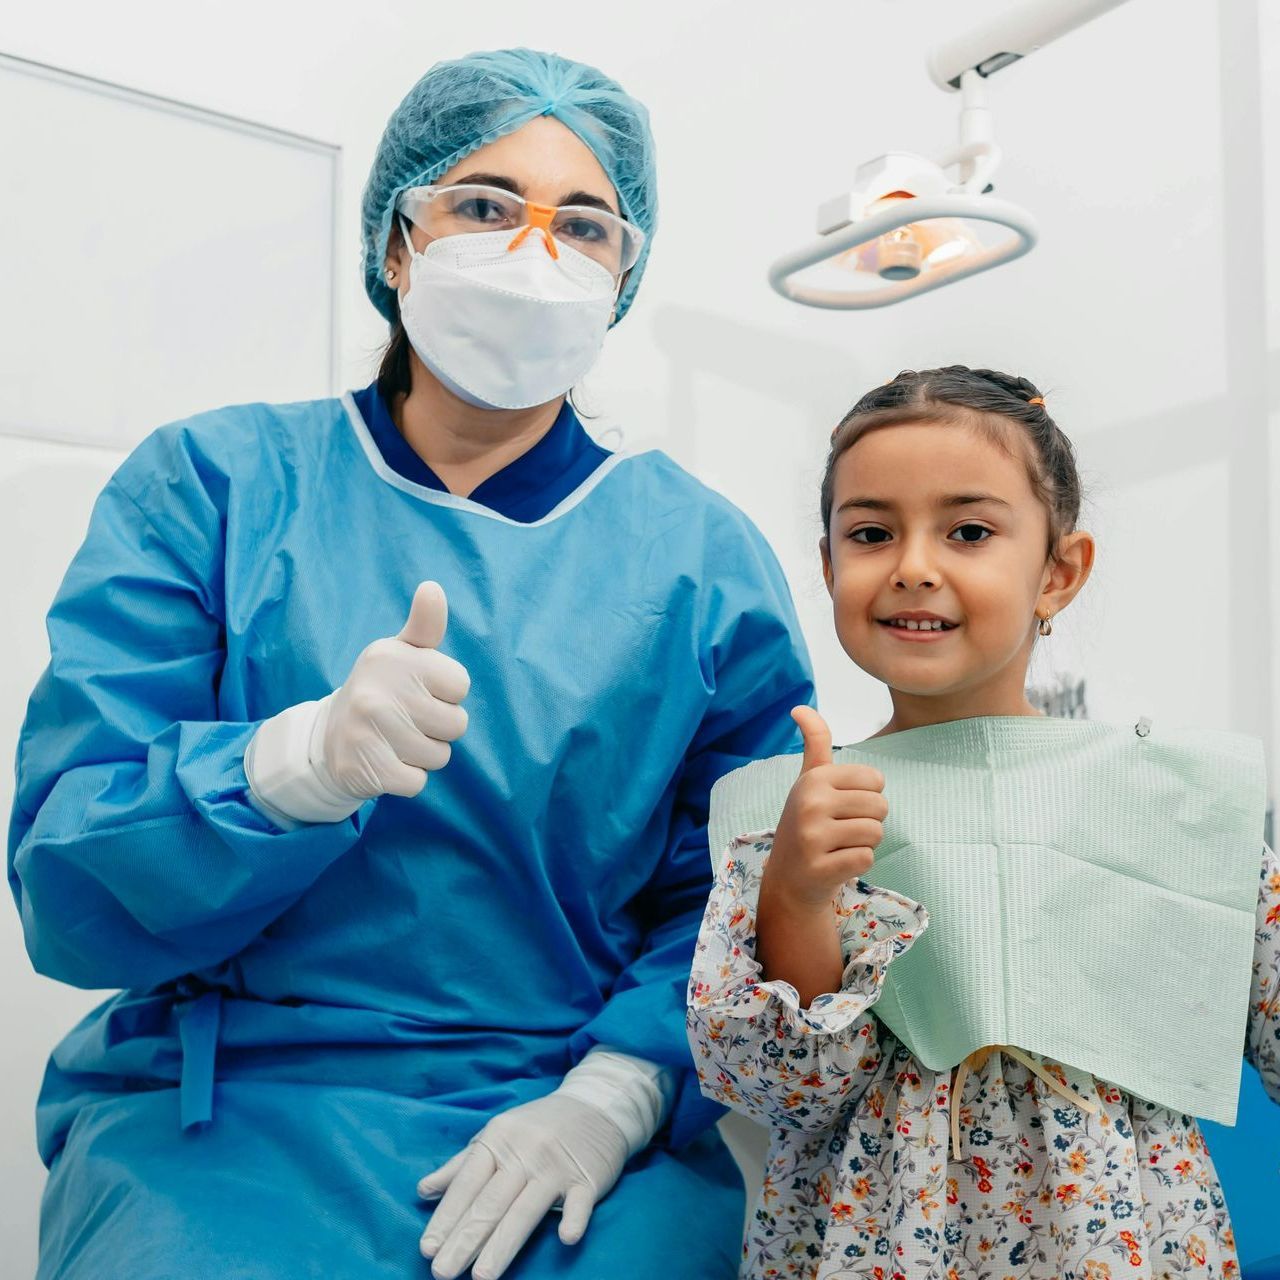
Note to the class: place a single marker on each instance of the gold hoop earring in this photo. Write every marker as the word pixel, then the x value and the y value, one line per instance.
pixel 1046 627
pixel 391 276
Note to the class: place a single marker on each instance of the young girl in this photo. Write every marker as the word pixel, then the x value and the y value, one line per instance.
pixel 949 506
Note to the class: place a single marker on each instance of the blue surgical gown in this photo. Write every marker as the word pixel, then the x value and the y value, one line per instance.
pixel 313 1018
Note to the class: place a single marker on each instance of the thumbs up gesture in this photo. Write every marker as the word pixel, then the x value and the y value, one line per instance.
pixel 831 824
pixel 392 721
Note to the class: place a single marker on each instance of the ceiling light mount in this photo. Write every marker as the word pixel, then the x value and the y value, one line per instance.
pixel 910 224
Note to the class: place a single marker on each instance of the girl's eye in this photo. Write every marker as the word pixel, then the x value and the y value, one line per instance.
pixel 972 533
pixel 874 538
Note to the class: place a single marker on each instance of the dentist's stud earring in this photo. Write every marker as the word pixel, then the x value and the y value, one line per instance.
pixel 1046 627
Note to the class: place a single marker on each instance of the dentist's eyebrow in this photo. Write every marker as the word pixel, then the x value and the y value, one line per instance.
pixel 517 189
pixel 586 198
pixel 490 180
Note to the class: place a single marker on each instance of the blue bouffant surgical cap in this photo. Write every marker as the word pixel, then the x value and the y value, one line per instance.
pixel 458 107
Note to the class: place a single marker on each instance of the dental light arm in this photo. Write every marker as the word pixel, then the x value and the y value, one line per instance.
pixel 906 220
pixel 1010 36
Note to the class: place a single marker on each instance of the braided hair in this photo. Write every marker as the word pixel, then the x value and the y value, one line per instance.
pixel 975 397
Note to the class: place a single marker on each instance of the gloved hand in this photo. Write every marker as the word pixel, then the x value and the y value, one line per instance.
pixel 393 719
pixel 522 1163
pixel 565 1149
pixel 381 732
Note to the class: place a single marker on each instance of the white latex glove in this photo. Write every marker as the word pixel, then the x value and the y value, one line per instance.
pixel 561 1150
pixel 381 732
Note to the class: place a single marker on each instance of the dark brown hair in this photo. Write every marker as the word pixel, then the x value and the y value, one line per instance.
pixel 394 373
pixel 394 376
pixel 983 398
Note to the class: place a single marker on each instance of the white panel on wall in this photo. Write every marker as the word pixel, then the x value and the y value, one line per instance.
pixel 155 260
pixel 1269 52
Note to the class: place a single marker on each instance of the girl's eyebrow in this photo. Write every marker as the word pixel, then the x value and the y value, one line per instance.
pixel 871 504
pixel 948 500
pixel 966 499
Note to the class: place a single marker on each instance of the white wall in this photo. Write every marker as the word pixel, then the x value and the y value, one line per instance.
pixel 1150 311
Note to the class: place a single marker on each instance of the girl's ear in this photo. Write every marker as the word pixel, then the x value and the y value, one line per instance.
pixel 1068 571
pixel 824 547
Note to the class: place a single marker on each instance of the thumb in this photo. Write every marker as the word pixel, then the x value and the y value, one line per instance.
pixel 428 617
pixel 817 738
pixel 579 1201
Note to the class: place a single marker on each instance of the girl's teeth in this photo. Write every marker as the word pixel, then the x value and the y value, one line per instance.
pixel 912 625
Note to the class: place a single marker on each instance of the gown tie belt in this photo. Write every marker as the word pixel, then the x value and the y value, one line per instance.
pixel 198 1023
pixel 978 1059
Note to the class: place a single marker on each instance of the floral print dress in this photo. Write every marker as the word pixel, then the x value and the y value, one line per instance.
pixel 860 1179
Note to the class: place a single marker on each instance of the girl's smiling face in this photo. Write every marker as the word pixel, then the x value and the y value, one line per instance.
pixel 938 524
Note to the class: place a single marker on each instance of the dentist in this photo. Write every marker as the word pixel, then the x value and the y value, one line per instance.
pixel 338 972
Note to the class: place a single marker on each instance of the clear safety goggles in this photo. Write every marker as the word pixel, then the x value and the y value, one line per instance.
pixel 602 236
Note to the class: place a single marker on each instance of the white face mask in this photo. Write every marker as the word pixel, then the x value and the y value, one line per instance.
pixel 506 328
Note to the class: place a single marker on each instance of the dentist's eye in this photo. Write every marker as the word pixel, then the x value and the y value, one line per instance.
pixel 481 210
pixel 971 533
pixel 881 536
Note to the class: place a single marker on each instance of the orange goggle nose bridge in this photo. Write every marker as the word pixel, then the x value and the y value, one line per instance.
pixel 540 218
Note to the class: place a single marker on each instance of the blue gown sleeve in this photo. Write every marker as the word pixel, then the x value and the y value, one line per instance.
pixel 755 658
pixel 134 854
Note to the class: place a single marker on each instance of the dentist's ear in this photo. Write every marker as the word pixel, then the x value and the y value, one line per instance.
pixel 828 574
pixel 392 264
pixel 617 293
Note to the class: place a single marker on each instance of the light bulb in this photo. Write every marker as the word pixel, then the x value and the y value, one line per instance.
pixel 899 254
pixel 911 250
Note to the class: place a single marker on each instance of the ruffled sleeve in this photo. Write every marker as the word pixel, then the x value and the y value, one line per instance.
pixel 1262 1044
pixel 756 1049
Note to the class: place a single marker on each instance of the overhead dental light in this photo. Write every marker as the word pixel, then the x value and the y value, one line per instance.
pixel 911 224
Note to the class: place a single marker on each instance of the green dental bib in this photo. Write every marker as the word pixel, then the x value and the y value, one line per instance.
pixel 1091 893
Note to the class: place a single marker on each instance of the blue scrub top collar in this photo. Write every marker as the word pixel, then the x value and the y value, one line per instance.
pixel 525 490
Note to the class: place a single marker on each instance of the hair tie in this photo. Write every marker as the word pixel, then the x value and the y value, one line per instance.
pixel 1037 400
